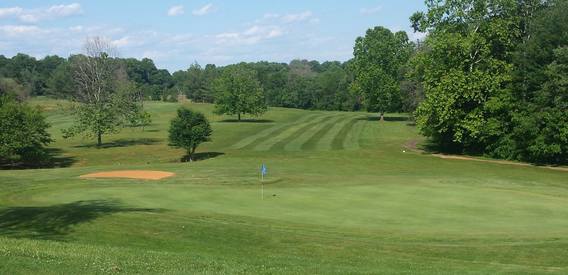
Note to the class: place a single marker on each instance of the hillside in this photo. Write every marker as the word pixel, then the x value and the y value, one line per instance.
pixel 342 195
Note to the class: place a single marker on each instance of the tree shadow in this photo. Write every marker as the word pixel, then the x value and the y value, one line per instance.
pixel 386 118
pixel 202 156
pixel 54 222
pixel 433 147
pixel 50 158
pixel 247 121
pixel 58 160
pixel 122 143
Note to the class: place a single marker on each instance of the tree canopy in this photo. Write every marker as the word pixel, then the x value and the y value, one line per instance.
pixel 23 133
pixel 378 59
pixel 105 100
pixel 238 92
pixel 492 76
pixel 188 130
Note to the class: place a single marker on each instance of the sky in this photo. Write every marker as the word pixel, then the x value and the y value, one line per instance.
pixel 178 33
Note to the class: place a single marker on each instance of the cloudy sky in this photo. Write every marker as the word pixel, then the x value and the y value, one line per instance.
pixel 177 33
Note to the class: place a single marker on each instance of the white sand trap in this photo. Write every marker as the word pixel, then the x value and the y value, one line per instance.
pixel 131 174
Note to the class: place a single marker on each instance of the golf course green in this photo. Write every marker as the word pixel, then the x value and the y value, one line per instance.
pixel 344 194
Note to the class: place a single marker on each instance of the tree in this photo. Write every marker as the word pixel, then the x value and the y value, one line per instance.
pixel 142 119
pixel 23 132
pixel 238 92
pixel 467 69
pixel 11 86
pixel 60 84
pixel 105 100
pixel 188 130
pixel 538 130
pixel 378 58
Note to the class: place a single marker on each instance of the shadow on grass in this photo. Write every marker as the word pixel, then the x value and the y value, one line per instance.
pixel 58 160
pixel 53 158
pixel 433 147
pixel 202 156
pixel 386 118
pixel 54 222
pixel 122 143
pixel 247 121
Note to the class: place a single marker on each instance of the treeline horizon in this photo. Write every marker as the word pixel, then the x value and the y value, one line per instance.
pixel 301 84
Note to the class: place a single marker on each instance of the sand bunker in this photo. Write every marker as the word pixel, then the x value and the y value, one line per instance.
pixel 131 174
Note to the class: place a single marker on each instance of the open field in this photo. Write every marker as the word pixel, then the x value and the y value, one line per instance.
pixel 341 196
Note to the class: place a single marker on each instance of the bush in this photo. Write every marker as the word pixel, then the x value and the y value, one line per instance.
pixel 23 133
pixel 188 130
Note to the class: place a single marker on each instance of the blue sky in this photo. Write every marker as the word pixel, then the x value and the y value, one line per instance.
pixel 177 33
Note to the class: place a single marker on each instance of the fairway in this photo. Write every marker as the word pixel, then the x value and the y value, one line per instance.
pixel 340 197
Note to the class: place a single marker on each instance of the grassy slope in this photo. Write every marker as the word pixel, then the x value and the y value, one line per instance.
pixel 347 200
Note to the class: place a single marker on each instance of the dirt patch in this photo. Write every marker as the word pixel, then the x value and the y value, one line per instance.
pixel 130 174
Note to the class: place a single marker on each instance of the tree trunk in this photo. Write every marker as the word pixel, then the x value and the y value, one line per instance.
pixel 99 139
pixel 239 116
pixel 382 116
pixel 190 153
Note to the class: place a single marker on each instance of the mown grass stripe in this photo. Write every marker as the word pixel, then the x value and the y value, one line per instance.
pixel 311 144
pixel 352 140
pixel 251 139
pixel 340 138
pixel 297 143
pixel 325 141
pixel 287 133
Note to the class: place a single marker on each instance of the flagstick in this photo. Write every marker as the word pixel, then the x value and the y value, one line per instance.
pixel 262 185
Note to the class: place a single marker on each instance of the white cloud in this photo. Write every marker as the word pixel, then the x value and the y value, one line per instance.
pixel 297 17
pixel 64 10
pixel 77 28
pixel 176 10
pixel 36 15
pixel 20 30
pixel 289 18
pixel 122 42
pixel 372 10
pixel 250 36
pixel 203 10
pixel 7 12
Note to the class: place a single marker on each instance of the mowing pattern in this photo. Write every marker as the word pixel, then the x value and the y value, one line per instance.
pixel 323 131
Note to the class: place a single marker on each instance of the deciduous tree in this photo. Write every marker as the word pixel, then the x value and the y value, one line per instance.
pixel 378 59
pixel 105 101
pixel 238 91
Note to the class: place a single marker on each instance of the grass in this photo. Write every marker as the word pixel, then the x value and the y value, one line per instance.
pixel 341 197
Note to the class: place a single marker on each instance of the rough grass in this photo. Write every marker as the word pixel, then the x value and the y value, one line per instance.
pixel 369 208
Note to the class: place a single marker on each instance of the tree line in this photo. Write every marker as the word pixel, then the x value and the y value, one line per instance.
pixel 495 77
pixel 299 84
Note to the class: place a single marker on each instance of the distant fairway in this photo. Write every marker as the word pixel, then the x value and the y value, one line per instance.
pixel 341 198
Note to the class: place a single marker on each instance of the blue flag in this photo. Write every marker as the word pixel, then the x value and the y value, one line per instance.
pixel 263 170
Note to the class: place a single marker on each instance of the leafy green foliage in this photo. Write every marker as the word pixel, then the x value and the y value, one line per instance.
pixel 188 130
pixel 60 84
pixel 23 133
pixel 493 76
pixel 378 59
pixel 238 91
pixel 539 125
pixel 105 101
pixel 12 87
